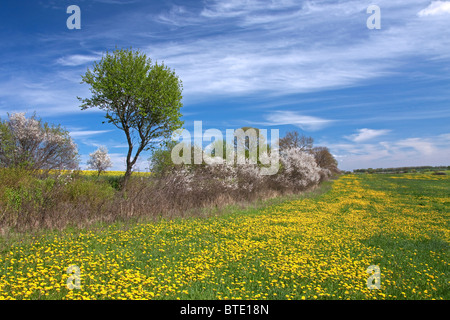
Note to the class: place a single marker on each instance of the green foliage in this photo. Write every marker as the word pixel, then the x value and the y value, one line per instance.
pixel 28 189
pixel 114 181
pixel 160 160
pixel 22 190
pixel 254 143
pixel 7 145
pixel 224 145
pixel 13 177
pixel 88 190
pixel 419 169
pixel 140 98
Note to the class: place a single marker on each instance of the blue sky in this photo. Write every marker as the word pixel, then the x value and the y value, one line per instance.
pixel 376 98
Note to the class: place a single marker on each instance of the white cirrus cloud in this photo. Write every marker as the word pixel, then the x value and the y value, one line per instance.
pixel 367 134
pixel 86 133
pixel 435 8
pixel 78 59
pixel 290 47
pixel 307 123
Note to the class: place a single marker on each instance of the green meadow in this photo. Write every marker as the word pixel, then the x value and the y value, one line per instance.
pixel 315 246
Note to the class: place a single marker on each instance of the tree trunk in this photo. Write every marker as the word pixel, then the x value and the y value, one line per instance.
pixel 129 162
pixel 126 177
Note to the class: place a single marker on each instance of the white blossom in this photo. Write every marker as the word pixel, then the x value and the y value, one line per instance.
pixel 99 160
pixel 27 141
pixel 300 169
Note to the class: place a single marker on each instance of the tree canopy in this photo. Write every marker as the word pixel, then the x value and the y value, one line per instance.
pixel 140 98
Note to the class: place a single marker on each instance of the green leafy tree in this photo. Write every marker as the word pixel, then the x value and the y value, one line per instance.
pixel 140 98
pixel 254 143
pixel 222 145
pixel 160 160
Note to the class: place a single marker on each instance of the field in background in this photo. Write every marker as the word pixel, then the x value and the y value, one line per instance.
pixel 311 248
pixel 92 173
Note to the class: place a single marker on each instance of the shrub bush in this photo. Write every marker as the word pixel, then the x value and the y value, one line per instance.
pixel 33 144
pixel 87 190
pixel 299 170
pixel 32 201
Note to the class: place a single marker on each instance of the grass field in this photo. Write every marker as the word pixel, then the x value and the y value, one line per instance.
pixel 310 248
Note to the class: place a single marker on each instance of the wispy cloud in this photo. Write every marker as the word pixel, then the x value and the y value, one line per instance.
pixel 87 133
pixel 307 123
pixel 435 8
pixel 49 95
pixel 236 8
pixel 78 59
pixel 367 134
pixel 268 46
pixel 236 48
pixel 178 16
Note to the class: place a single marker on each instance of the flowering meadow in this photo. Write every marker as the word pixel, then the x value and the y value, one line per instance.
pixel 309 248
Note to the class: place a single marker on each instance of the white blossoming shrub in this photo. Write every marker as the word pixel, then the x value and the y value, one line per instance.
pixel 223 175
pixel 215 177
pixel 213 180
pixel 250 177
pixel 299 169
pixel 208 176
pixel 29 143
pixel 99 160
pixel 179 180
pixel 25 130
pixel 325 174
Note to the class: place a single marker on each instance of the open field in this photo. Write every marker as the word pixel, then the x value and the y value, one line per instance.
pixel 108 173
pixel 311 248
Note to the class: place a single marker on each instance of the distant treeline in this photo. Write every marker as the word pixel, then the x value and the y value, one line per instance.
pixel 402 169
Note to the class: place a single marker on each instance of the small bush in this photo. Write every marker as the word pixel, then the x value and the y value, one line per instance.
pixel 33 193
pixel 114 181
pixel 299 170
pixel 88 190
pixel 32 201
